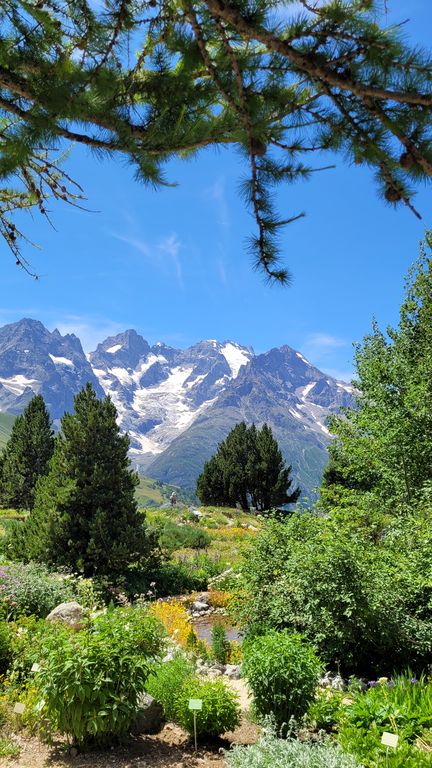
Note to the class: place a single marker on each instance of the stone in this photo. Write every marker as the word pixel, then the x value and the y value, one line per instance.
pixel 213 672
pixel 233 671
pixel 69 613
pixel 200 606
pixel 149 717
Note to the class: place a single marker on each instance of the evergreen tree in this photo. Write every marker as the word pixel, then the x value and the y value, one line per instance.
pixel 153 81
pixel 272 488
pixel 85 514
pixel 26 456
pixel 247 467
pixel 384 445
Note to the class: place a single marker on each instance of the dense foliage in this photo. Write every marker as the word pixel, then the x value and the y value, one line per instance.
pixel 402 705
pixel 282 671
pixel 247 467
pixel 26 456
pixel 384 445
pixel 30 589
pixel 89 682
pixel 175 683
pixel 365 605
pixel 270 752
pixel 85 515
pixel 152 81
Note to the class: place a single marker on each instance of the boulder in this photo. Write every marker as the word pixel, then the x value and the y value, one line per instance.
pixel 69 613
pixel 149 717
pixel 199 606
pixel 233 671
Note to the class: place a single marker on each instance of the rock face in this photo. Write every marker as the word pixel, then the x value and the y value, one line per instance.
pixel 34 361
pixel 150 715
pixel 69 613
pixel 178 404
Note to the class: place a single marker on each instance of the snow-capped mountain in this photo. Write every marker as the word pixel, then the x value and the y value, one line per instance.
pixel 177 404
pixel 159 391
pixel 35 361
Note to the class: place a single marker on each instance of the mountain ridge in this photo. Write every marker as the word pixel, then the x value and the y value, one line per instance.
pixel 177 404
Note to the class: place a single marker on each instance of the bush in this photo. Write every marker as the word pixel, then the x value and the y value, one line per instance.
pixel 219 643
pixel 403 702
pixel 31 589
pixel 282 671
pixel 193 574
pixel 270 752
pixel 329 580
pixel 176 536
pixel 220 708
pixel 326 709
pixel 175 682
pixel 89 682
pixel 166 683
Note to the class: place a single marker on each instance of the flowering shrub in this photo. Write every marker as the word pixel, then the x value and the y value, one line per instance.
pixel 219 598
pixel 175 619
pixel 27 589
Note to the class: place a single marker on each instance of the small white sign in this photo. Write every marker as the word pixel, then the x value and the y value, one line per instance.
pixel 35 667
pixel 390 739
pixel 195 704
pixel 19 708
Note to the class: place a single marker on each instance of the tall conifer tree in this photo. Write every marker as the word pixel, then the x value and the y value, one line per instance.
pixel 27 455
pixel 85 514
pixel 248 467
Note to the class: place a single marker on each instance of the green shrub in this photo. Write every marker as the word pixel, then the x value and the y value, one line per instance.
pixel 89 681
pixel 325 710
pixel 403 706
pixel 282 671
pixel 270 752
pixel 176 536
pixel 175 683
pixel 403 703
pixel 167 681
pixel 27 589
pixel 5 647
pixel 190 575
pixel 220 708
pixel 329 579
pixel 219 643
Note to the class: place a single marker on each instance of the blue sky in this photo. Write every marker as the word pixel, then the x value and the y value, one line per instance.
pixel 173 263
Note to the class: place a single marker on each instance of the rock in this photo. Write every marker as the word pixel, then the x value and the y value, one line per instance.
pixel 149 717
pixel 200 606
pixel 69 613
pixel 233 671
pixel 214 672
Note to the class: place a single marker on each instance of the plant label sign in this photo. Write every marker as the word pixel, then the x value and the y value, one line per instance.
pixel 35 667
pixel 19 708
pixel 195 704
pixel 390 739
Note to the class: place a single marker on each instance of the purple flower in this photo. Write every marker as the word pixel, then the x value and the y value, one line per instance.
pixel 414 680
pixel 372 683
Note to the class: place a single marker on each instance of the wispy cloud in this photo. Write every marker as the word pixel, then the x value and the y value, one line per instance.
pixel 216 194
pixel 330 353
pixel 91 330
pixel 171 246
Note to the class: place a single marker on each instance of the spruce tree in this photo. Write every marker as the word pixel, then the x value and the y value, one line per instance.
pixel 247 467
pixel 152 81
pixel 273 476
pixel 85 514
pixel 26 456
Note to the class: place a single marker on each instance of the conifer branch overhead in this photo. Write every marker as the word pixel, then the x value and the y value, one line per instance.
pixel 157 79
